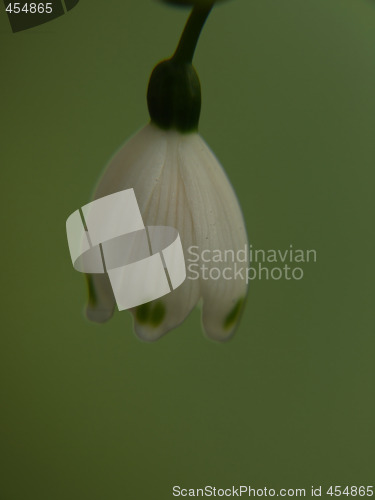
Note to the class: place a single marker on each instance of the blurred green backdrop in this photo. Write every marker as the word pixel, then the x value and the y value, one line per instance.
pixel 89 412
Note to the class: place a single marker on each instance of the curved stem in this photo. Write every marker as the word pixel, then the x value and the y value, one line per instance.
pixel 190 36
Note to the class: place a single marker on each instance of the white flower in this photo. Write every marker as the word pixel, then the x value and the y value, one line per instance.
pixel 179 182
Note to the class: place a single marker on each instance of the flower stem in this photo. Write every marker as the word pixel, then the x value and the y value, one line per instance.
pixel 190 36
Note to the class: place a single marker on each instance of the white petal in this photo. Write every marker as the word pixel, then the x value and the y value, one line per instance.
pixel 218 225
pixel 148 163
pixel 137 164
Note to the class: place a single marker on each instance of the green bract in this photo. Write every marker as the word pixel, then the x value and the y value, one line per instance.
pixel 174 96
pixel 174 91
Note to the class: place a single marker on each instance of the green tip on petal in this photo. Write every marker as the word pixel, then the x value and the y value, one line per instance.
pixel 92 297
pixel 234 315
pixel 151 313
pixel 101 302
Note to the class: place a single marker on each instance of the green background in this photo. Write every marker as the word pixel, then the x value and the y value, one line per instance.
pixel 90 412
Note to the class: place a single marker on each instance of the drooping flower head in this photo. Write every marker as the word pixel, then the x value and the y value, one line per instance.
pixel 179 182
